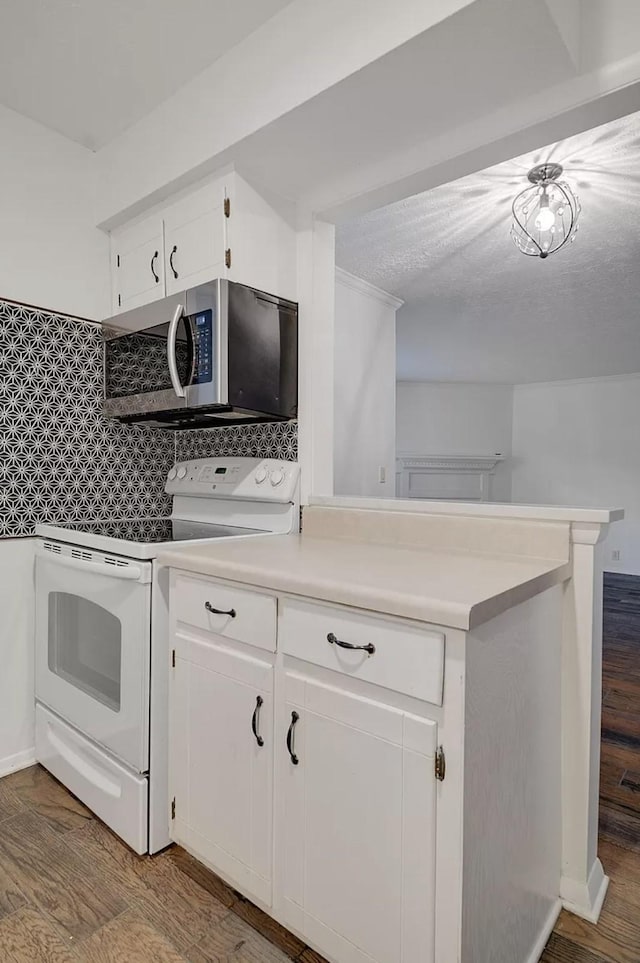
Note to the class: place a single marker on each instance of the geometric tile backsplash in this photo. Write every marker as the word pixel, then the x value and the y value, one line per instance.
pixel 277 439
pixel 60 459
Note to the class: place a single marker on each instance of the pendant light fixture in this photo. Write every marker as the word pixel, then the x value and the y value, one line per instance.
pixel 545 215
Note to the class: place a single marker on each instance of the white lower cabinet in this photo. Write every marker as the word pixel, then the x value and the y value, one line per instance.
pixel 316 800
pixel 358 825
pixel 221 760
pixel 346 825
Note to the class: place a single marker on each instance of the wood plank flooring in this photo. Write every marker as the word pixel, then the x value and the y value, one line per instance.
pixel 71 891
pixel 616 938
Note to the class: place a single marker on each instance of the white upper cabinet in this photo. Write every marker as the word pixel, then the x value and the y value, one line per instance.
pixel 261 241
pixel 137 264
pixel 222 229
pixel 195 238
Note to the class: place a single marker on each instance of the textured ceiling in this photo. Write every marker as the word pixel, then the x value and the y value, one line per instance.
pixel 90 68
pixel 478 310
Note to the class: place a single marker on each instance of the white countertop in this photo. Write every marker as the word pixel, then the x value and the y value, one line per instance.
pixel 551 513
pixel 448 588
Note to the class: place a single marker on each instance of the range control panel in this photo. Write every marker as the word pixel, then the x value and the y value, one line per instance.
pixel 258 479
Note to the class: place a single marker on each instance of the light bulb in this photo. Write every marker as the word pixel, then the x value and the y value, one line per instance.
pixel 546 218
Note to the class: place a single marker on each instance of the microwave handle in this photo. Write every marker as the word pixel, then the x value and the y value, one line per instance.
pixel 171 352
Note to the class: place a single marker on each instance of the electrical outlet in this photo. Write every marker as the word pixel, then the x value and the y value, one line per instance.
pixel 382 474
pixel 615 555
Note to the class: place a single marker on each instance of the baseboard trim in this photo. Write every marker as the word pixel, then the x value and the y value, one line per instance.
pixel 19 760
pixel 586 899
pixel 545 932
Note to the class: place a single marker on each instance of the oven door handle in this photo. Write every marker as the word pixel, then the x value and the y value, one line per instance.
pixel 132 573
pixel 172 338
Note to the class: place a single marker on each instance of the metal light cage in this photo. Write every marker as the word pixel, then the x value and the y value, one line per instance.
pixel 529 230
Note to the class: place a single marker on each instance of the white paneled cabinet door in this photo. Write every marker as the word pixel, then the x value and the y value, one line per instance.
pixel 222 760
pixel 137 255
pixel 357 825
pixel 195 238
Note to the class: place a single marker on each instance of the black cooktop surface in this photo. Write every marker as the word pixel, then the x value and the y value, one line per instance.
pixel 154 530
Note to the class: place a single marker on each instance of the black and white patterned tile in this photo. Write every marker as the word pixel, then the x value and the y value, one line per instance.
pixel 277 439
pixel 60 459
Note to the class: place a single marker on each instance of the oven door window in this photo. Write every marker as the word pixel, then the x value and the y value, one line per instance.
pixel 137 363
pixel 85 647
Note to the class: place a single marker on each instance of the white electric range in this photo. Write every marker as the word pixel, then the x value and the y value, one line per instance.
pixel 102 635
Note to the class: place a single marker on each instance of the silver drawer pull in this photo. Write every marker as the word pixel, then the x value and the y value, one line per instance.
pixel 370 648
pixel 230 612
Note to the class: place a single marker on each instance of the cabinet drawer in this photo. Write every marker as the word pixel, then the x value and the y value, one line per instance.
pixel 114 793
pixel 404 658
pixel 254 616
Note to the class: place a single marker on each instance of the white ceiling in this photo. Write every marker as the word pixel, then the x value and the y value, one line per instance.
pixel 478 310
pixel 439 81
pixel 91 68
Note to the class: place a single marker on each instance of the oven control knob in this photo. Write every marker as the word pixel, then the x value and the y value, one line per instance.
pixel 181 472
pixel 173 473
pixel 277 477
pixel 261 474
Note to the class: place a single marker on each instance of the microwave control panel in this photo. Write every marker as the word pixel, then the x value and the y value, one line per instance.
pixel 202 325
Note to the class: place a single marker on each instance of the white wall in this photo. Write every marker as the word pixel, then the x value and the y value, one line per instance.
pixel 437 418
pixel 51 256
pixel 16 653
pixel 578 443
pixel 364 388
pixel 51 253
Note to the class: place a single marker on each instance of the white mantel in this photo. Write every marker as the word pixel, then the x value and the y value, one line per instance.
pixel 465 477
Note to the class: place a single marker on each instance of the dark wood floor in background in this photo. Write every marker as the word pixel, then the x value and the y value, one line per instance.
pixel 616 938
pixel 70 891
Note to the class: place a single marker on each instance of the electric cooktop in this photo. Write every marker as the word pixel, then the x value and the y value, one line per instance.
pixel 155 530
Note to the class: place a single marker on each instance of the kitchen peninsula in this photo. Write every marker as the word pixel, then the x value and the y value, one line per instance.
pixel 384 730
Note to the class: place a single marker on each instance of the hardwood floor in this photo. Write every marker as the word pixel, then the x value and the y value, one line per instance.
pixel 71 891
pixel 616 938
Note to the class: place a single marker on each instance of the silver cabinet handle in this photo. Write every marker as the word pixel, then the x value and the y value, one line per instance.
pixel 172 337
pixel 332 640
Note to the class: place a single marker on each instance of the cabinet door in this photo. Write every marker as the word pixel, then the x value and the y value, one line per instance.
pixel 357 825
pixel 195 236
pixel 221 760
pixel 262 241
pixel 137 263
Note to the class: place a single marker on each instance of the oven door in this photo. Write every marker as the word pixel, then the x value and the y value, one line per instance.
pixel 93 648
pixel 167 356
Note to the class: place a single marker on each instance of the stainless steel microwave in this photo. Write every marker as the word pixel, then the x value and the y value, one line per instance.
pixel 212 355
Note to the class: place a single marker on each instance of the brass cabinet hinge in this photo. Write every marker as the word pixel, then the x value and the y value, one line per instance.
pixel 441 764
pixel 173 658
pixel 173 808
pixel 227 207
pixel 227 257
